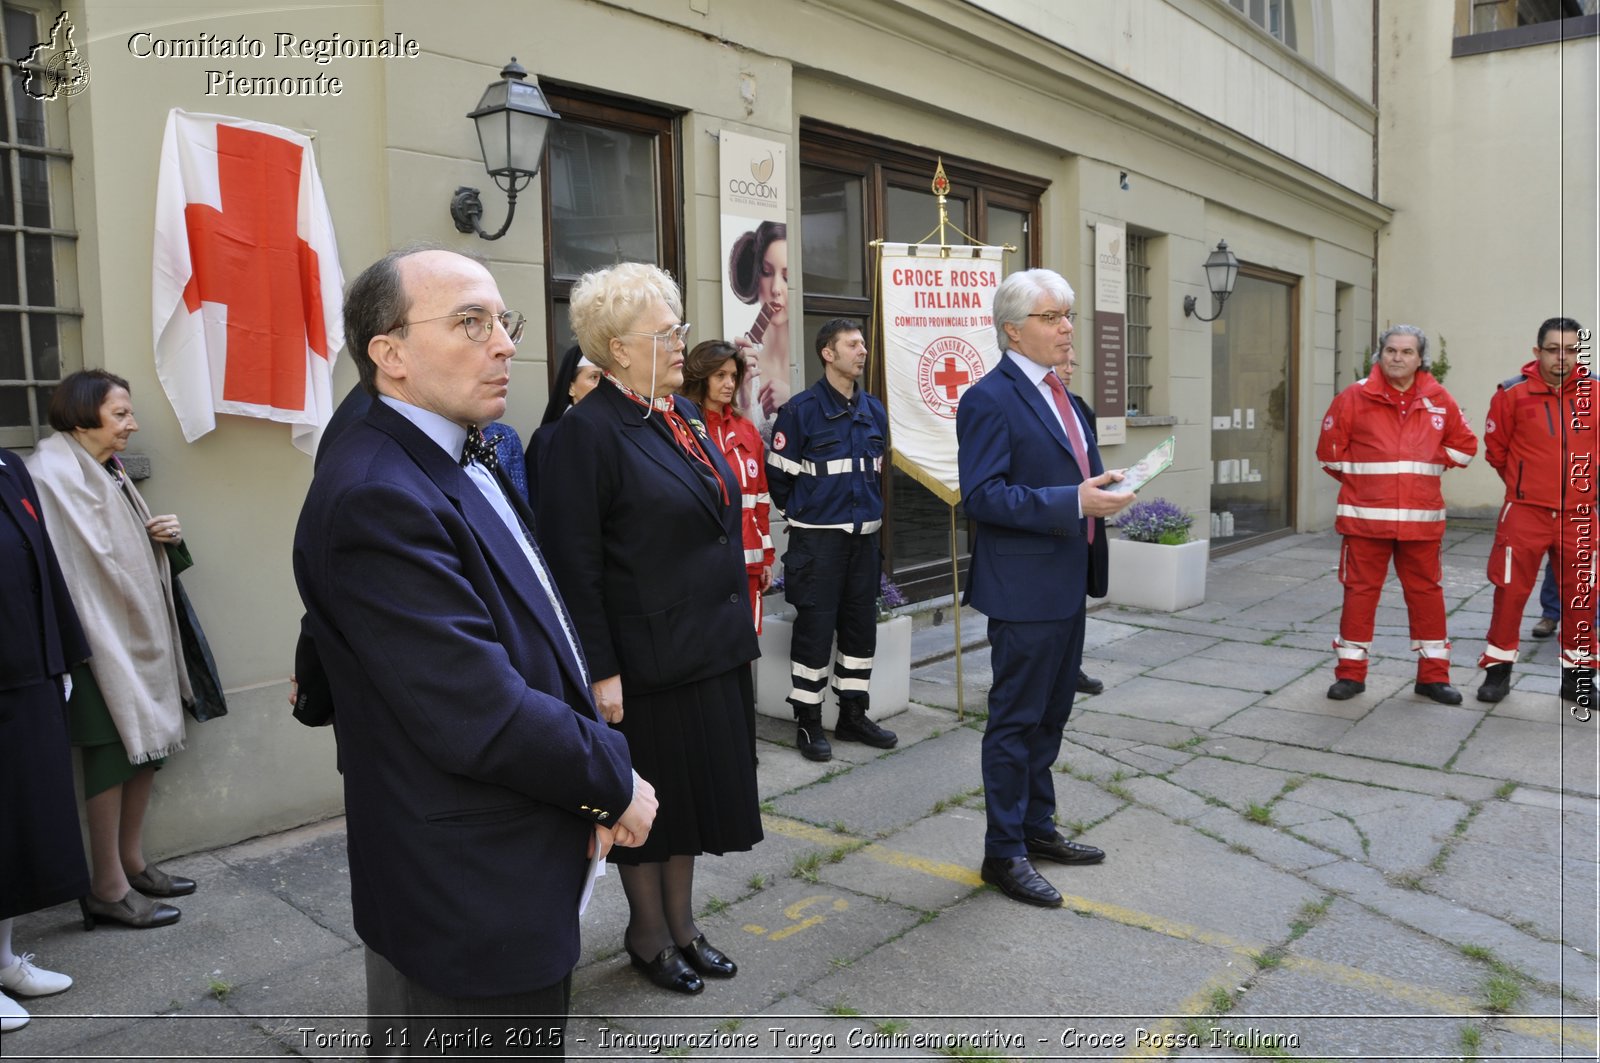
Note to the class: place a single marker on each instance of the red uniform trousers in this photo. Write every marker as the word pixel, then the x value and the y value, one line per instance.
pixel 1523 537
pixel 1363 566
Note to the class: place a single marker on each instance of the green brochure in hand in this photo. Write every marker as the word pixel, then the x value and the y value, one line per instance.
pixel 1147 468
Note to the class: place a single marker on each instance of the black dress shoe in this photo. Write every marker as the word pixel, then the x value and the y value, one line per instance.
pixel 708 959
pixel 1062 851
pixel 135 910
pixel 1087 685
pixel 1017 879
pixel 1345 689
pixel 668 970
pixel 1443 693
pixel 154 882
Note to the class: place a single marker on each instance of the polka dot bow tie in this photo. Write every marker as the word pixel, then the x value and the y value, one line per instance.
pixel 480 450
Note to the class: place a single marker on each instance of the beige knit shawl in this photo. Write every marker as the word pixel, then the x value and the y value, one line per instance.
pixel 122 586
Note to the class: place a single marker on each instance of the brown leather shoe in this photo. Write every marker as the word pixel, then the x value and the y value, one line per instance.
pixel 1544 628
pixel 135 910
pixel 154 882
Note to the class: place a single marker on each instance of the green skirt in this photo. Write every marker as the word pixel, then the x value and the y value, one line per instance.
pixel 105 758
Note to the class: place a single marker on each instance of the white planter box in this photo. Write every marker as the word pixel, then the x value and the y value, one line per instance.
pixel 1152 576
pixel 889 692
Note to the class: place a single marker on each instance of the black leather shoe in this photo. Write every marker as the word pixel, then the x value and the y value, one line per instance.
pixel 1017 879
pixel 1496 684
pixel 135 910
pixel 1443 693
pixel 855 725
pixel 668 970
pixel 812 743
pixel 708 959
pixel 1087 685
pixel 1062 851
pixel 154 882
pixel 1345 689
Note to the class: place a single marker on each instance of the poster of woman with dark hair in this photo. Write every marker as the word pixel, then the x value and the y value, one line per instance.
pixel 758 275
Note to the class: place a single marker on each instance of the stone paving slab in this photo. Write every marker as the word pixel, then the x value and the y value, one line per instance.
pixel 1257 677
pixel 1145 855
pixel 1284 727
pixel 1154 648
pixel 896 789
pixel 1236 785
pixel 1165 701
pixel 1276 847
pixel 1379 773
pixel 1538 753
pixel 1447 921
pixel 1412 729
pixel 1252 654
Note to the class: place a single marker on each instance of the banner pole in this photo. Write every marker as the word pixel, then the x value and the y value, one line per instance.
pixel 955 586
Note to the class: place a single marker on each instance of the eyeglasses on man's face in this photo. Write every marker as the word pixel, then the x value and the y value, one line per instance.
pixel 1571 350
pixel 1053 318
pixel 675 334
pixel 479 324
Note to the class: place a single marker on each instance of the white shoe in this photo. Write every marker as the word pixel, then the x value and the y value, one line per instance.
pixel 23 979
pixel 13 1016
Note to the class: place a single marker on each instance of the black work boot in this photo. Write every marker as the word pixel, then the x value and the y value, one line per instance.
pixel 1577 684
pixel 854 726
pixel 809 738
pixel 1497 684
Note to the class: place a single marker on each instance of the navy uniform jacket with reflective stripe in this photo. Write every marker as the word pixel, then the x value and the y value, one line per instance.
pixel 825 465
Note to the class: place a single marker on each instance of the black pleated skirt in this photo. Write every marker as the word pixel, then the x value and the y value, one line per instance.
pixel 696 745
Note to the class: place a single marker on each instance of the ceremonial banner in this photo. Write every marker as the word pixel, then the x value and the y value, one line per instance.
pixel 1110 315
pixel 246 292
pixel 938 329
pixel 755 284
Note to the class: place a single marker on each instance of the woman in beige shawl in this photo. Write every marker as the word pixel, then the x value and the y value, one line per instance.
pixel 127 702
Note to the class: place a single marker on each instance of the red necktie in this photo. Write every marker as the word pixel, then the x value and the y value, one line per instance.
pixel 1069 421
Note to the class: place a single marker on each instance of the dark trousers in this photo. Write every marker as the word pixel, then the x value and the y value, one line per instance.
pixel 831 578
pixel 1035 677
pixel 405 1018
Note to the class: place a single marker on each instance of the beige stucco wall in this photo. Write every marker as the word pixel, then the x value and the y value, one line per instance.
pixel 394 145
pixel 1489 164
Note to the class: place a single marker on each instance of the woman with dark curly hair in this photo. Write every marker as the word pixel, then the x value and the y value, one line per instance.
pixel 758 273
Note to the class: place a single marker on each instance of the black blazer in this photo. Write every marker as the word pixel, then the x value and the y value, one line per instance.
pixel 649 557
pixel 475 766
pixel 52 612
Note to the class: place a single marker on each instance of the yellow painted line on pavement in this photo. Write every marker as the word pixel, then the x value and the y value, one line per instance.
pixel 1447 1004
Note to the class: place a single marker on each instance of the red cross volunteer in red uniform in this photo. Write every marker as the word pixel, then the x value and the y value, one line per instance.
pixel 1387 440
pixel 1540 437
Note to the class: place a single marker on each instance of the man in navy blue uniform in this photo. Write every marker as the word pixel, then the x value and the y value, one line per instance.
pixel 825 473
pixel 1032 483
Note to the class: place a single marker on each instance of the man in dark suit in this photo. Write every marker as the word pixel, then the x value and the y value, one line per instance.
pixel 1098 560
pixel 478 778
pixel 1032 482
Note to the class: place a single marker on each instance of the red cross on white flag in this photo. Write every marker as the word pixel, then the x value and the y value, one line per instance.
pixel 247 295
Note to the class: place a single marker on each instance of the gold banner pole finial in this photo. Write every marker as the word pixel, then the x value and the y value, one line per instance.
pixel 941 189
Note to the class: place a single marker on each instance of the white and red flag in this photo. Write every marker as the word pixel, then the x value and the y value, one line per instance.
pixel 247 295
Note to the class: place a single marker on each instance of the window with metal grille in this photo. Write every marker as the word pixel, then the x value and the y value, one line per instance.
pixel 40 327
pixel 1138 326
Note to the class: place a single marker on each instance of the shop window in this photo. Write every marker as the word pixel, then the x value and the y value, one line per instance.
pixel 1496 25
pixel 855 188
pixel 611 194
pixel 40 325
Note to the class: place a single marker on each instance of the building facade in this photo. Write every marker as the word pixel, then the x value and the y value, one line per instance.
pixel 1264 123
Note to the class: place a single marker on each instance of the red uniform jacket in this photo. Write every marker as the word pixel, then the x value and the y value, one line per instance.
pixel 1388 449
pixel 740 443
pixel 1542 441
